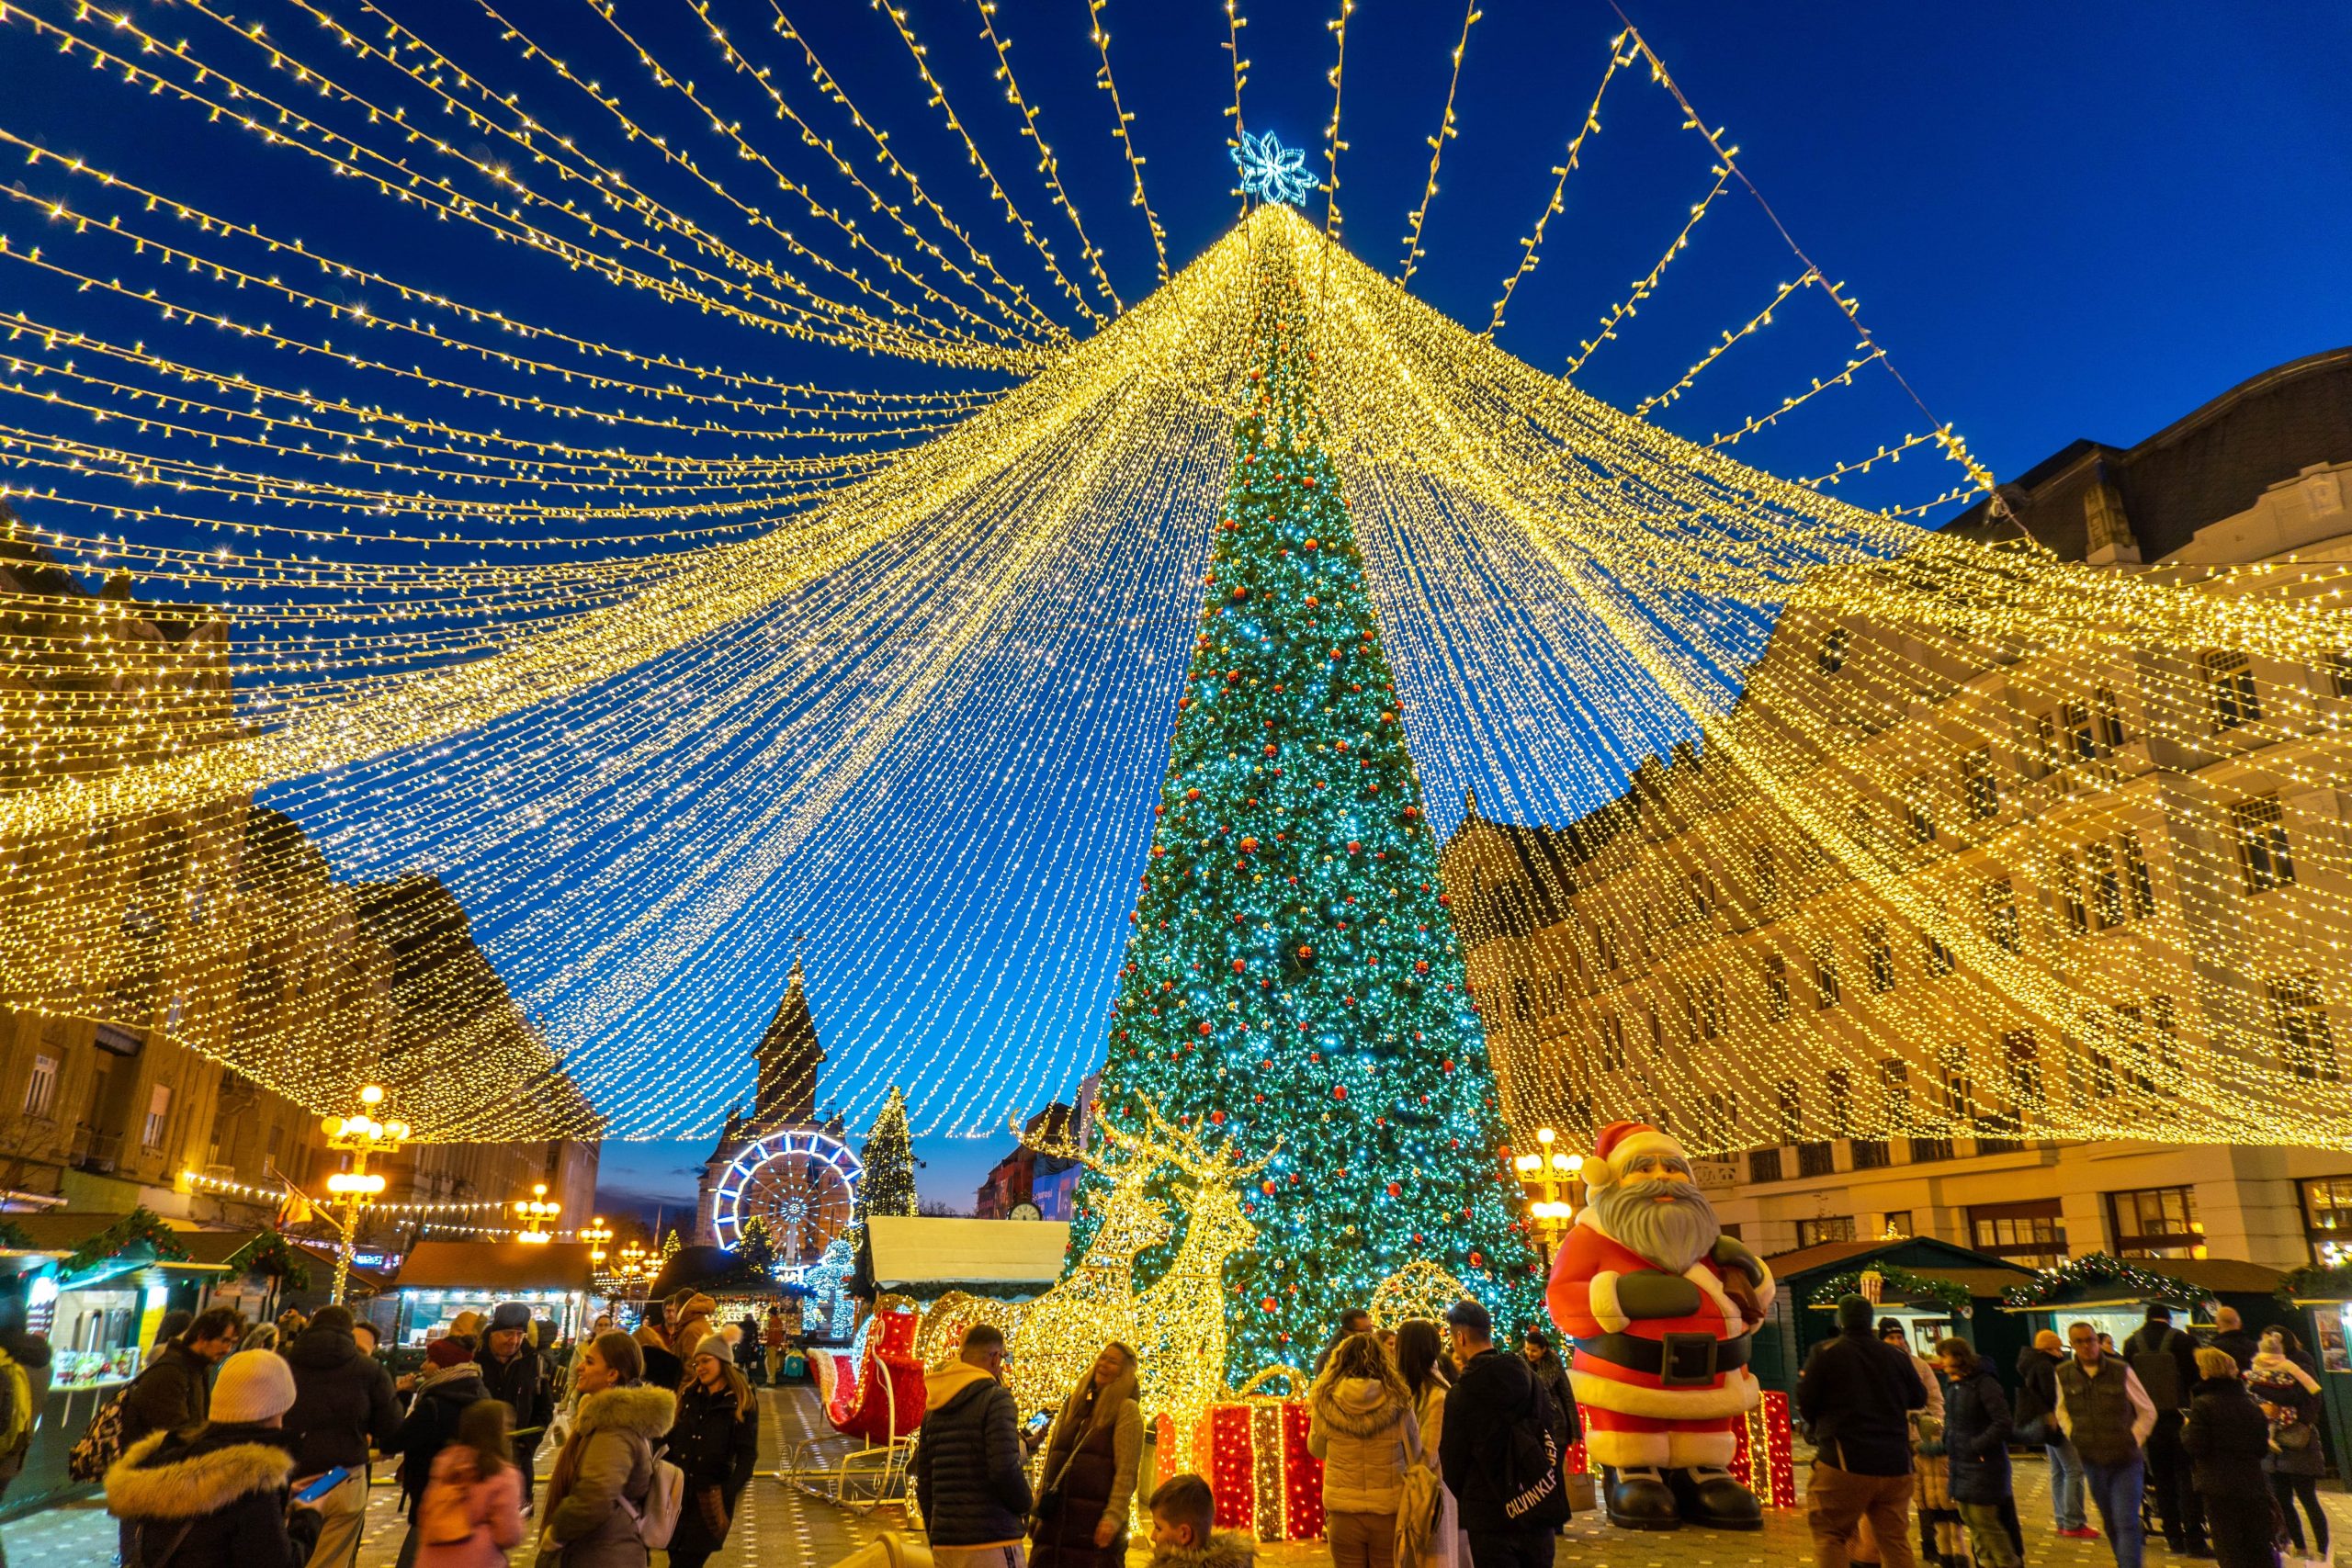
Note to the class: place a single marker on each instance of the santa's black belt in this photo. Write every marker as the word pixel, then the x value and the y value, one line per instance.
pixel 1679 1360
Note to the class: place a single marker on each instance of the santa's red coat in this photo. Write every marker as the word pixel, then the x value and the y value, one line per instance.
pixel 1583 1299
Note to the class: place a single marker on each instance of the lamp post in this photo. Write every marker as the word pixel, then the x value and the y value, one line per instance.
pixel 361 1136
pixel 597 1234
pixel 536 1211
pixel 1546 1173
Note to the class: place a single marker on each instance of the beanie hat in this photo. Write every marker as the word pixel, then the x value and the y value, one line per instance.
pixel 252 1385
pixel 448 1352
pixel 509 1314
pixel 1618 1143
pixel 715 1346
pixel 465 1324
pixel 2047 1339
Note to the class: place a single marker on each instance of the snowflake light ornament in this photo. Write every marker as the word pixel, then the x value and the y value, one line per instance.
pixel 1271 172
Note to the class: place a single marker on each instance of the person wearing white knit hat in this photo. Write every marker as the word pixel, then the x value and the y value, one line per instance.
pixel 213 1495
pixel 1661 1305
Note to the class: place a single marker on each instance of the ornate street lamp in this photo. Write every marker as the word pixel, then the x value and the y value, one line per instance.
pixel 597 1234
pixel 1553 1187
pixel 537 1212
pixel 361 1135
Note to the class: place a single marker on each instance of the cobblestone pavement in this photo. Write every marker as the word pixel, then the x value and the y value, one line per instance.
pixel 781 1526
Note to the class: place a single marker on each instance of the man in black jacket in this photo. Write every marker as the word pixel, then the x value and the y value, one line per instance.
pixel 2165 1360
pixel 2230 1335
pixel 966 1473
pixel 174 1388
pixel 344 1406
pixel 2037 1418
pixel 1857 1394
pixel 510 1371
pixel 1495 1393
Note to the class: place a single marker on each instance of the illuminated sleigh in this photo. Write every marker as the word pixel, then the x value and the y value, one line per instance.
pixel 874 1394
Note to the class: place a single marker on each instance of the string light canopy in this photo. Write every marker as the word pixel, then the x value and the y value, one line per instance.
pixel 329 584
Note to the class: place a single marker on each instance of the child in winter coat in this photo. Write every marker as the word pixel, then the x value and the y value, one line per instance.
pixel 471 1515
pixel 1184 1528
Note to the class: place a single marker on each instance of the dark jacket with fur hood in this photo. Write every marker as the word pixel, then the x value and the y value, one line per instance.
pixel 223 1485
pixel 1224 1550
pixel 607 1461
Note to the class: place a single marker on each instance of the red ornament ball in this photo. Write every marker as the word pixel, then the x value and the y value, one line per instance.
pixel 1238 966
pixel 1217 1117
pixel 1354 847
pixel 1396 1190
pixel 1192 795
pixel 1205 1026
pixel 1314 544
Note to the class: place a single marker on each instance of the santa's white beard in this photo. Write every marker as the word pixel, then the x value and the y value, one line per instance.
pixel 1673 1234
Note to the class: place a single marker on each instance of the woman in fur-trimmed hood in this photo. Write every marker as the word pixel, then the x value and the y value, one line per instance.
pixel 605 1470
pixel 213 1495
pixel 1364 1431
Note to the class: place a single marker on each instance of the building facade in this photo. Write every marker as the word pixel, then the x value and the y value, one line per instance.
pixel 2162 829
pixel 219 934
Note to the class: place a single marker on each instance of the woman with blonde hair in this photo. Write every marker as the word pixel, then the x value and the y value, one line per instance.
pixel 1364 1429
pixel 1092 1455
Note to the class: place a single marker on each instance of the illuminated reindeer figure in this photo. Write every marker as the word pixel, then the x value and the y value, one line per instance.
pixel 1054 1337
pixel 1180 1317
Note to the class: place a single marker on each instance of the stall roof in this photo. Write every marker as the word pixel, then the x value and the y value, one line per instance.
pixel 1980 1274
pixel 58 1233
pixel 496 1265
pixel 910 1250
pixel 2214 1276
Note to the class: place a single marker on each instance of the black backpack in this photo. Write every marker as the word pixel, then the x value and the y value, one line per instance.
pixel 1535 1494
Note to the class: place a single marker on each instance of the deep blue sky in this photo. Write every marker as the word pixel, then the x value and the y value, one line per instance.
pixel 2061 220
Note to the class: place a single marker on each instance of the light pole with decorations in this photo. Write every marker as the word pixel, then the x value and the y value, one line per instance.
pixel 1554 1183
pixel 359 1137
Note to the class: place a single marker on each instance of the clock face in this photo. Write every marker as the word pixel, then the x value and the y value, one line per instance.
pixel 1026 1211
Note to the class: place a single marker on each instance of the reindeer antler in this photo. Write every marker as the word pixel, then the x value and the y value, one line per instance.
pixel 1062 1148
pixel 1184 1149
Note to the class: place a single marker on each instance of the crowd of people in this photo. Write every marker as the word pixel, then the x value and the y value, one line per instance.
pixel 243 1449
pixel 1440 1450
pixel 2221 1438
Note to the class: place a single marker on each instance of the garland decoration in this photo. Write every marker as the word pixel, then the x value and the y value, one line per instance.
pixel 2048 1286
pixel 269 1254
pixel 141 1226
pixel 2316 1282
pixel 14 1236
pixel 1902 1283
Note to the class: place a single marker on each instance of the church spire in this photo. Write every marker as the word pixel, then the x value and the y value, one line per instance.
pixel 788 1056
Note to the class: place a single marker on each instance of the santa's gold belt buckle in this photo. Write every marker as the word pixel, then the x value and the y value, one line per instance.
pixel 1687 1360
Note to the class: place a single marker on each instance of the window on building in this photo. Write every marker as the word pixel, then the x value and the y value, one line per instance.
pixel 2262 858
pixel 41 1089
pixel 159 1109
pixel 1958 1088
pixel 2049 756
pixel 2021 1052
pixel 1825 1228
pixel 1938 956
pixel 1703 894
pixel 2136 867
pixel 2081 738
pixel 1923 1150
pixel 1776 989
pixel 1978 786
pixel 1790 1104
pixel 1833 650
pixel 2229 686
pixel 1919 808
pixel 1825 974
pixel 1612 1042
pixel 1895 1091
pixel 1711 1007
pixel 1817 1158
pixel 2328 1218
pixel 2111 731
pixel 1604 945
pixel 2031 1232
pixel 1870 1153
pixel 1880 948
pixel 2001 927
pixel 1840 1084
pixel 1896 1225
pixel 1764 1164
pixel 1766 873
pixel 2106 884
pixel 2070 895
pixel 2156 1221
pixel 2299 1018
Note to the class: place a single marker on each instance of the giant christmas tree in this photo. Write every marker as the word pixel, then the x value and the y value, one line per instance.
pixel 1293 978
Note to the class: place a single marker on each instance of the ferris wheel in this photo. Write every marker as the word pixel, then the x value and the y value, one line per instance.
pixel 803 1184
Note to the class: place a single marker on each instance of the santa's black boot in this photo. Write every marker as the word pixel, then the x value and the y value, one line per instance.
pixel 1639 1499
pixel 1707 1494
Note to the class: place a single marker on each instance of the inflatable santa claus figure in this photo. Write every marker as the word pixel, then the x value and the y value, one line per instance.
pixel 1663 1308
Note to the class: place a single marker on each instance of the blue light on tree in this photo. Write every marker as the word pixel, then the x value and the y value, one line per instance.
pixel 1271 172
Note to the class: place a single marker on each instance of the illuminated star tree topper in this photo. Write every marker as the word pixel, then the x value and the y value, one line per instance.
pixel 1271 172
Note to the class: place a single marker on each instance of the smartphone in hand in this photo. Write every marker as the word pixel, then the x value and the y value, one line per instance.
pixel 325 1483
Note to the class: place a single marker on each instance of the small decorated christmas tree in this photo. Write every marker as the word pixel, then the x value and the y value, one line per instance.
pixel 887 1186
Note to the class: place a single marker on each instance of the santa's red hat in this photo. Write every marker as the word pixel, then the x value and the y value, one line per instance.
pixel 1619 1144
